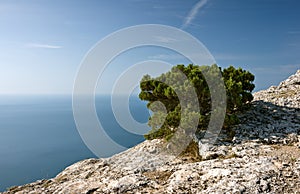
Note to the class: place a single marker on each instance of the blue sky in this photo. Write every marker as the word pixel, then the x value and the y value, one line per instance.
pixel 42 43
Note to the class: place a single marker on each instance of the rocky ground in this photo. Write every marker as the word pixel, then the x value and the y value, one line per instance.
pixel 264 157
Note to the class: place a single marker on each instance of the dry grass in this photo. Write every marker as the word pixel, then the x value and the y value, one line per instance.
pixel 160 177
pixel 191 153
pixel 285 94
pixel 284 153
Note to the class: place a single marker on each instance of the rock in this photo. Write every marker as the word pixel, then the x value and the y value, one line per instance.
pixel 286 94
pixel 249 167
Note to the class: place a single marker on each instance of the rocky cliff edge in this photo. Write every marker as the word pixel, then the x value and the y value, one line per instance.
pixel 264 157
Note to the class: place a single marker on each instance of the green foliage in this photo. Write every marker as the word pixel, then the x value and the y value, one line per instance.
pixel 238 84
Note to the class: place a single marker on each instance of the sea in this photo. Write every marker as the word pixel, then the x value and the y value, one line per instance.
pixel 39 138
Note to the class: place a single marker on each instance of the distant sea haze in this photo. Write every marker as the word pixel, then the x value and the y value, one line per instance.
pixel 38 136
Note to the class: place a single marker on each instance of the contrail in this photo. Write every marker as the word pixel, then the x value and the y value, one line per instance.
pixel 192 14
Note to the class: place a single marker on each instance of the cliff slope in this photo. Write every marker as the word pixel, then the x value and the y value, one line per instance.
pixel 264 157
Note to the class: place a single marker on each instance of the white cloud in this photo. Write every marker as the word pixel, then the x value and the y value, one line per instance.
pixel 192 14
pixel 44 46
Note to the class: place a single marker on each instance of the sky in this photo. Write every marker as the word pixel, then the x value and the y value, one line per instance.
pixel 42 43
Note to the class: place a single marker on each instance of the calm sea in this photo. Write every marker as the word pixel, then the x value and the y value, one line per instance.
pixel 38 136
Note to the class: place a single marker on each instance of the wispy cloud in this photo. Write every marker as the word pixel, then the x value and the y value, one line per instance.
pixel 43 46
pixel 164 39
pixel 293 44
pixel 199 58
pixel 227 56
pixel 193 13
pixel 288 68
pixel 166 57
pixel 294 32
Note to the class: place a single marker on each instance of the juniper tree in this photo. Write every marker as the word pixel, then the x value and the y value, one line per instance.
pixel 238 84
